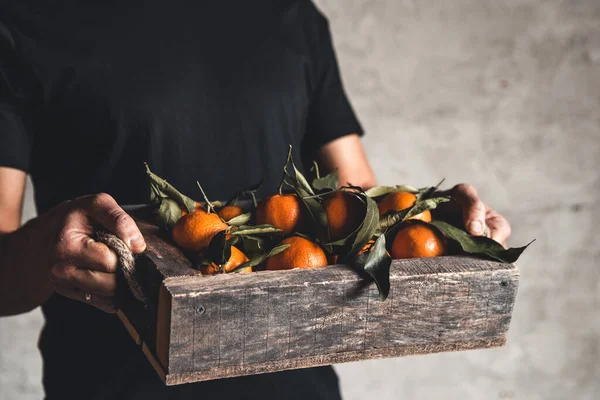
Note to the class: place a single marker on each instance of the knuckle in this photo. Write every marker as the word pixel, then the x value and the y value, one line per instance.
pixel 66 246
pixel 71 247
pixel 123 222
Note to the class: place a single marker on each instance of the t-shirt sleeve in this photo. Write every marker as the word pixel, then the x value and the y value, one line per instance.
pixel 15 136
pixel 330 113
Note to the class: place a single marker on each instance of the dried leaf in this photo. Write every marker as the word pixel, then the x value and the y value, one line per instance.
pixel 329 181
pixel 217 204
pixel 479 244
pixel 161 188
pixel 250 230
pixel 168 213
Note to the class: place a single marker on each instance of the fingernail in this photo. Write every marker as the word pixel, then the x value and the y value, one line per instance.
pixel 476 227
pixel 137 241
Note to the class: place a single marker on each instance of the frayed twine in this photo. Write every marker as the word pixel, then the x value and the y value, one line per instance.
pixel 126 262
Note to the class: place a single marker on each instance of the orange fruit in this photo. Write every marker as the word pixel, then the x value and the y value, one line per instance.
pixel 236 259
pixel 230 212
pixel 283 211
pixel 302 253
pixel 194 231
pixel 399 201
pixel 198 207
pixel 367 246
pixel 418 239
pixel 344 212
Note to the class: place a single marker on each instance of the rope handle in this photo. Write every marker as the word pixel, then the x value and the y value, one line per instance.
pixel 126 262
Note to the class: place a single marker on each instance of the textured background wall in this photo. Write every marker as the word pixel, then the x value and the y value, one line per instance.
pixel 501 94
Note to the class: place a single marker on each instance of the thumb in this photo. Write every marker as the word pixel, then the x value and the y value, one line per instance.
pixel 473 209
pixel 103 209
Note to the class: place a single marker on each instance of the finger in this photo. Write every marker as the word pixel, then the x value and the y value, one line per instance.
pixel 85 279
pixel 104 303
pixel 500 229
pixel 77 248
pixel 474 209
pixel 105 210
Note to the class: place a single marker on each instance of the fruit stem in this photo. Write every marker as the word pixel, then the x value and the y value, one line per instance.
pixel 316 167
pixel 209 206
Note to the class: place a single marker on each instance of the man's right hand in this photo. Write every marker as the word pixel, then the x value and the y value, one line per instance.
pixel 81 268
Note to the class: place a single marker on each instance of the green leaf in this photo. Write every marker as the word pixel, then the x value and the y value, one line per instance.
pixel 159 187
pixel 479 244
pixel 168 213
pixel 376 262
pixel 379 191
pixel 319 217
pixel 394 217
pixel 252 245
pixel 249 191
pixel 259 259
pixel 156 196
pixel 297 180
pixel 219 249
pixel 250 230
pixel 240 219
pixel 427 192
pixel 365 232
pixel 254 188
pixel 329 181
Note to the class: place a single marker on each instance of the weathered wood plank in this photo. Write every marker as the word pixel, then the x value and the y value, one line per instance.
pixel 254 348
pixel 334 358
pixel 449 302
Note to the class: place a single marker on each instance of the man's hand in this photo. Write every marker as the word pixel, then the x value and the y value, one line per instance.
pixel 479 219
pixel 81 268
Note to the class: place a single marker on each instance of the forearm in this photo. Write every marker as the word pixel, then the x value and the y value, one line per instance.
pixel 24 282
pixel 348 157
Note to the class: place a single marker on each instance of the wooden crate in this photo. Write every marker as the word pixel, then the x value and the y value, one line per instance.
pixel 197 328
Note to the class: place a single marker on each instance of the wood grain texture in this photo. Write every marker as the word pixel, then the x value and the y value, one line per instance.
pixel 240 324
pixel 273 320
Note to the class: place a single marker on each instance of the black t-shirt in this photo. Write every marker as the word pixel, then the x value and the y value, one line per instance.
pixel 207 91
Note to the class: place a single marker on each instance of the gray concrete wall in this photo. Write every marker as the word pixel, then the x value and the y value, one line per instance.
pixel 501 94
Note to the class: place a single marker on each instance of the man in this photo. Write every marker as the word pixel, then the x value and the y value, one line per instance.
pixel 208 92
